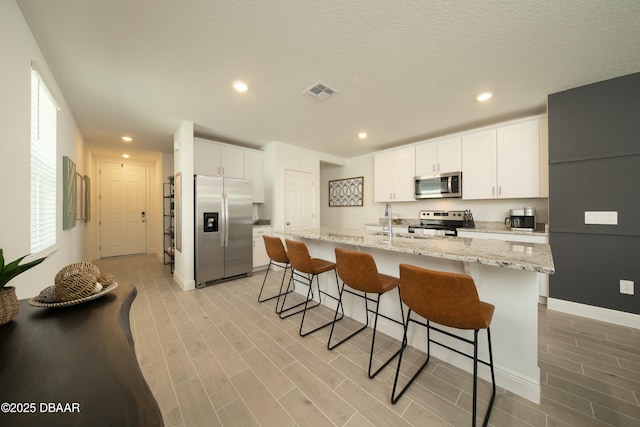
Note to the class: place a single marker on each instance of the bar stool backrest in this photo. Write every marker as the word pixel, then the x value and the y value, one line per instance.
pixel 275 249
pixel 299 256
pixel 358 270
pixel 449 299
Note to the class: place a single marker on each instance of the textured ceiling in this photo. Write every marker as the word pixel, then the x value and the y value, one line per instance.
pixel 404 70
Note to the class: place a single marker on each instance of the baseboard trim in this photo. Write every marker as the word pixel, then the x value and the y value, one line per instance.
pixel 597 313
pixel 186 285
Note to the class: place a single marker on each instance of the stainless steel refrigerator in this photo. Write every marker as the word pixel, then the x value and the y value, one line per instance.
pixel 223 236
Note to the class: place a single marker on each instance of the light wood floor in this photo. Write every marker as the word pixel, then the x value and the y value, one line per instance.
pixel 216 357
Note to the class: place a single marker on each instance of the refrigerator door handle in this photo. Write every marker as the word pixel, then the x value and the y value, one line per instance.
pixel 225 207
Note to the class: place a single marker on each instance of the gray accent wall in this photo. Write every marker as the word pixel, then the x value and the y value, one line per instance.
pixel 594 165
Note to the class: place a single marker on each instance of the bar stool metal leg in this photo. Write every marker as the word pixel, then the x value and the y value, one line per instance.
pixel 291 285
pixel 304 312
pixel 264 281
pixel 373 338
pixel 394 397
pixel 376 312
pixel 359 272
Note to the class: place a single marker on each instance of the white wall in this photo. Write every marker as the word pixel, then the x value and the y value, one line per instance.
pixel 279 157
pixel 356 217
pixel 183 163
pixel 352 216
pixel 18 50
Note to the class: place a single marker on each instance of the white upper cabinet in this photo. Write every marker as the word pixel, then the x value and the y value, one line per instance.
pixel 518 160
pixel 253 171
pixel 504 162
pixel 215 159
pixel 440 156
pixel 394 172
pixel 479 165
pixel 232 162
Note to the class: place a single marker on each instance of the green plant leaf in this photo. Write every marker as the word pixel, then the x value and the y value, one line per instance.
pixel 14 268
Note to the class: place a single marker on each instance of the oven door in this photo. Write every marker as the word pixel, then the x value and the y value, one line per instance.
pixel 438 186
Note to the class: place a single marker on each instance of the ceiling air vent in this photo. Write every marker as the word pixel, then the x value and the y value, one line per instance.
pixel 320 91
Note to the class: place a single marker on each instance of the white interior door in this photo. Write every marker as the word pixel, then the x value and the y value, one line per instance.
pixel 123 212
pixel 298 199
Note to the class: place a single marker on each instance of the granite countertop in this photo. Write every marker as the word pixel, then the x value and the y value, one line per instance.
pixel 261 223
pixel 480 227
pixel 500 227
pixel 498 253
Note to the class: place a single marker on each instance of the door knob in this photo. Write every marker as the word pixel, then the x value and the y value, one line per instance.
pixel 288 223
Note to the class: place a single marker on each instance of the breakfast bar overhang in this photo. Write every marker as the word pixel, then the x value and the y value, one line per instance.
pixel 506 275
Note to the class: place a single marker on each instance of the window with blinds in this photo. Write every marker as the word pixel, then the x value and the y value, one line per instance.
pixel 44 114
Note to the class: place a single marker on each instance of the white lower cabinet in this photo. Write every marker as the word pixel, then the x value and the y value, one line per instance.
pixel 260 257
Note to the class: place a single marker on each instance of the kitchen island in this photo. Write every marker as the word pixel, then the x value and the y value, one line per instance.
pixel 505 274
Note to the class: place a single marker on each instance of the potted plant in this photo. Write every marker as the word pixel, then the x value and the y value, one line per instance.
pixel 8 299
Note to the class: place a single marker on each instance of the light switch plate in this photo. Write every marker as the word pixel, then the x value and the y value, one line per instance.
pixel 601 217
pixel 626 287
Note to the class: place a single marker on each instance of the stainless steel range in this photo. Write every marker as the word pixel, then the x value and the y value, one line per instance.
pixel 442 223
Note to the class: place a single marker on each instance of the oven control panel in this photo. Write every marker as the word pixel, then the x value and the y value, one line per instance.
pixel 442 215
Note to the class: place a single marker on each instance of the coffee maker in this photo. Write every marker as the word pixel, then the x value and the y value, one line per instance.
pixel 521 219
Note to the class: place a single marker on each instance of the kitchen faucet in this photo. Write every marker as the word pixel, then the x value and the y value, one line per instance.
pixel 387 213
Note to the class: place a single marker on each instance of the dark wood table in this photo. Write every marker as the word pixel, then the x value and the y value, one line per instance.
pixel 74 366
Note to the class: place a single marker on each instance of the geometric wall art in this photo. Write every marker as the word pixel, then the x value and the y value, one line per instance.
pixel 346 192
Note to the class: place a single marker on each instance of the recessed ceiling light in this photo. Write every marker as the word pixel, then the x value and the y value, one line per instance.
pixel 126 156
pixel 240 86
pixel 485 96
pixel 362 135
pixel 127 139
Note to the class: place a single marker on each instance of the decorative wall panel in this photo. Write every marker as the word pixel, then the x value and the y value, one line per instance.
pixel 346 192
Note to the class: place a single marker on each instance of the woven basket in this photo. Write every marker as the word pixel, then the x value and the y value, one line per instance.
pixel 78 267
pixel 76 281
pixel 8 304
pixel 106 279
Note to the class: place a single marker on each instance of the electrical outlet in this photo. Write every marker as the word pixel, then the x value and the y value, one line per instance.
pixel 626 287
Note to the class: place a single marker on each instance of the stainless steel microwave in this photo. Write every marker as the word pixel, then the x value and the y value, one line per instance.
pixel 438 186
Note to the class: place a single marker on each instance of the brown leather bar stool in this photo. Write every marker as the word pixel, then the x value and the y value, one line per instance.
pixel 451 300
pixel 278 257
pixel 304 270
pixel 358 271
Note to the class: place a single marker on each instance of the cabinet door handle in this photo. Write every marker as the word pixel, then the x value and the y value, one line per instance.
pixel 493 190
pixel 500 190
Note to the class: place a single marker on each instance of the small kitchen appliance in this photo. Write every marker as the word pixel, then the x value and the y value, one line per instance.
pixel 442 223
pixel 521 219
